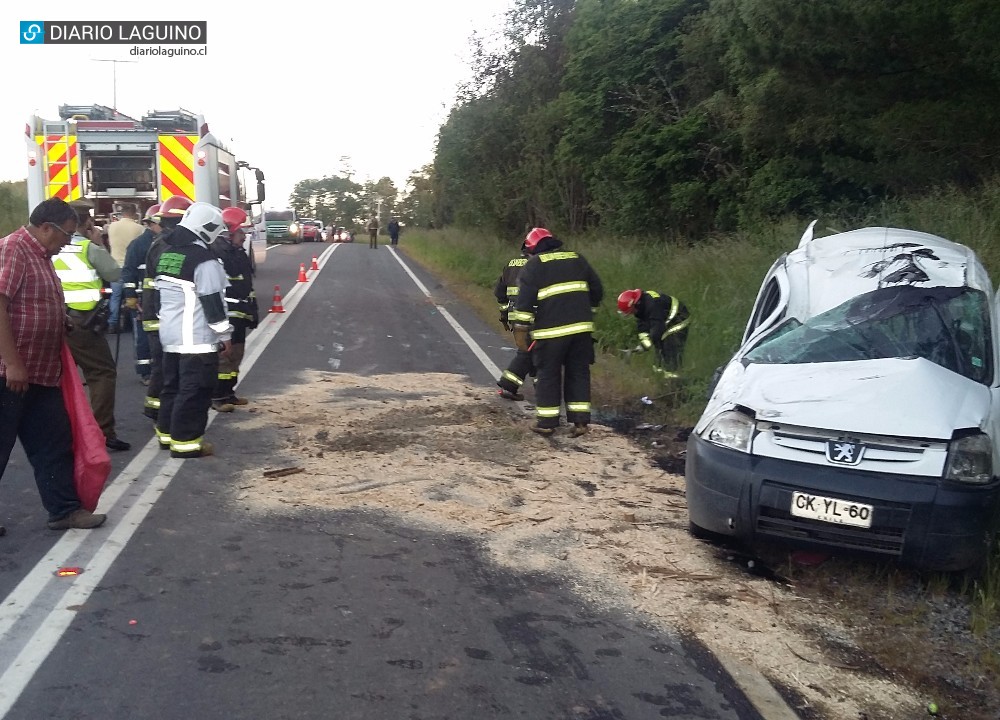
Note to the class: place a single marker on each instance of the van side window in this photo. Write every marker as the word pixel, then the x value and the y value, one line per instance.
pixel 768 302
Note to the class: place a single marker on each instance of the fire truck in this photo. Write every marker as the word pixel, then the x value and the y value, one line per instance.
pixel 98 154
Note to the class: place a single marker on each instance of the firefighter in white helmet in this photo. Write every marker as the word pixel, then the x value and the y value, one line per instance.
pixel 194 328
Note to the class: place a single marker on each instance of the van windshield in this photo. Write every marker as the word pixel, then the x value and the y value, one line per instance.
pixel 948 326
pixel 285 215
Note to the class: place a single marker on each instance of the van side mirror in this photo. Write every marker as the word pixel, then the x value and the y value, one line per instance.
pixel 260 189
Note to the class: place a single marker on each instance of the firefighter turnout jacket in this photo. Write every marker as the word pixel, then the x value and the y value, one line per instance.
pixel 505 289
pixel 191 284
pixel 134 269
pixel 659 316
pixel 558 293
pixel 240 297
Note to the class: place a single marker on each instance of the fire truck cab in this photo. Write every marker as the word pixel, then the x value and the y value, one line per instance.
pixel 99 154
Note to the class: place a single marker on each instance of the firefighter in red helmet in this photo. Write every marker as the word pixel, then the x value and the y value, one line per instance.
pixel 558 293
pixel 132 275
pixel 241 305
pixel 662 322
pixel 168 217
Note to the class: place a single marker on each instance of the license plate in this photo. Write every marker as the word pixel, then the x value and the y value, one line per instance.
pixel 831 510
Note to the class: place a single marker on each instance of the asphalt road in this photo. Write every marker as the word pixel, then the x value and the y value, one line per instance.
pixel 187 608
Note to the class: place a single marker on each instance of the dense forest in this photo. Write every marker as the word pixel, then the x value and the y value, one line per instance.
pixel 683 117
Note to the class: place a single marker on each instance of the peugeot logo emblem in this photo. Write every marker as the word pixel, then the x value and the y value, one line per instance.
pixel 844 452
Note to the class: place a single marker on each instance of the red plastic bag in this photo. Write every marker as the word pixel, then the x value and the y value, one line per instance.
pixel 91 462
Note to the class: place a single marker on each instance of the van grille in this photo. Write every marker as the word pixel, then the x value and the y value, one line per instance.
pixel 886 536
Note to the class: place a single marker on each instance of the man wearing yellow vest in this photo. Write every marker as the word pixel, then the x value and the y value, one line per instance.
pixel 83 267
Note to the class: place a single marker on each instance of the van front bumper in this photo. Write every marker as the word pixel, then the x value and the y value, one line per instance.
pixel 929 523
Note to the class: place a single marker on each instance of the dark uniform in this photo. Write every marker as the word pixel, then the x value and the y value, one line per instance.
pixel 151 325
pixel 662 322
pixel 558 293
pixel 243 313
pixel 133 273
pixel 520 367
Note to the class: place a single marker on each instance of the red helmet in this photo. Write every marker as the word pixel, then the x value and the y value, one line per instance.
pixel 234 218
pixel 174 207
pixel 151 212
pixel 534 237
pixel 627 301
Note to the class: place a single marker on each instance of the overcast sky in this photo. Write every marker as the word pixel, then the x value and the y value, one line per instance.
pixel 290 86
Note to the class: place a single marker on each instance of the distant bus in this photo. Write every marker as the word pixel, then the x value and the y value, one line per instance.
pixel 279 225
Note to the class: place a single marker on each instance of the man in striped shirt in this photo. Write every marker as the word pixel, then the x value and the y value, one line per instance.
pixel 32 331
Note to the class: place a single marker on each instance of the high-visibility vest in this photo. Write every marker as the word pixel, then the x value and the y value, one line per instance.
pixel 80 282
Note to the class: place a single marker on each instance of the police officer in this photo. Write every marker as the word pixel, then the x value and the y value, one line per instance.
pixel 505 291
pixel 242 305
pixel 558 293
pixel 169 216
pixel 194 326
pixel 83 267
pixel 662 322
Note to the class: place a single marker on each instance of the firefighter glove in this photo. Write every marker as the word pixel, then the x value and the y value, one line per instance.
pixel 522 336
pixel 504 321
pixel 132 303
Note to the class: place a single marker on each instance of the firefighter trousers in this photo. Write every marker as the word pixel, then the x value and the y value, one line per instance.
pixel 92 353
pixel 562 367
pixel 229 372
pixel 188 383
pixel 151 405
pixel 519 369
pixel 670 348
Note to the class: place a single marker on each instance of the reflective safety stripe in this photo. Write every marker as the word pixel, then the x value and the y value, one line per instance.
pixel 150 325
pixel 186 445
pixel 503 306
pixel 512 377
pixel 678 327
pixel 521 316
pixel 152 402
pixel 240 315
pixel 228 375
pixel 195 349
pixel 666 373
pixel 562 330
pixel 148 284
pixel 143 362
pixel 561 288
pixel 547 257
pixel 512 290
pixel 674 306
pixel 129 286
pixel 581 407
pixel 645 341
pixel 547 412
pixel 163 437
pixel 236 277
pixel 75 297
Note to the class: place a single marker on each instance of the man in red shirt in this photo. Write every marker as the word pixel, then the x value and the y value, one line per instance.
pixel 32 329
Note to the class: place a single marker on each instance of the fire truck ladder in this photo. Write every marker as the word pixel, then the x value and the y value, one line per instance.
pixel 55 144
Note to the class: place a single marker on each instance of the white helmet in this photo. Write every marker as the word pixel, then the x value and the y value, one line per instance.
pixel 204 220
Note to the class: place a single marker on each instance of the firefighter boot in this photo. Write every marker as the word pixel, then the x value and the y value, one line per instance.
pixel 223 405
pixel 578 429
pixel 543 431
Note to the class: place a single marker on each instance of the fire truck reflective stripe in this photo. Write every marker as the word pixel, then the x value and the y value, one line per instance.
pixel 81 296
pixel 560 288
pixel 581 407
pixel 62 166
pixel 547 412
pixel 562 330
pixel 177 166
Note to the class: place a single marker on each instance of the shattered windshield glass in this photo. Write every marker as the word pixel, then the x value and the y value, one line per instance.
pixel 948 326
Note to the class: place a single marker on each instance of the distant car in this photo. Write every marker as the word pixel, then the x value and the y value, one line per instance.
pixel 341 234
pixel 312 230
pixel 862 412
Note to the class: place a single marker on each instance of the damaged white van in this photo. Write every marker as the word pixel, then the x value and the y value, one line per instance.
pixel 861 413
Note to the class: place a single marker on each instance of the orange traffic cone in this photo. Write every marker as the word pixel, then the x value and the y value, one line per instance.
pixel 302 273
pixel 315 264
pixel 276 303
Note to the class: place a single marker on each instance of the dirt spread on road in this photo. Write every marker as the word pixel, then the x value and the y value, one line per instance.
pixel 437 451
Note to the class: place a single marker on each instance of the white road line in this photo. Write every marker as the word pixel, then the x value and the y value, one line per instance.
pixel 42 593
pixel 466 338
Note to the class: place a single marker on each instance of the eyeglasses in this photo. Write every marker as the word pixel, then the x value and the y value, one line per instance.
pixel 64 232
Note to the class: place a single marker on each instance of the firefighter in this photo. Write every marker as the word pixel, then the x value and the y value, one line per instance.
pixel 194 327
pixel 662 322
pixel 133 272
pixel 520 367
pixel 558 293
pixel 168 217
pixel 83 267
pixel 242 305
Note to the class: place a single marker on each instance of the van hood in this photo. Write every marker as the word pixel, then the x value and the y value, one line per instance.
pixel 903 397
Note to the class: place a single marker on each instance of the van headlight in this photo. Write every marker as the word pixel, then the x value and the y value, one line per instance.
pixel 970 460
pixel 732 430
pixel 293 229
